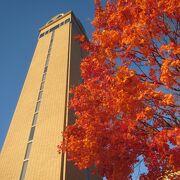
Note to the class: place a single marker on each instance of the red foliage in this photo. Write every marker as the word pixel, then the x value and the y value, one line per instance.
pixel 127 105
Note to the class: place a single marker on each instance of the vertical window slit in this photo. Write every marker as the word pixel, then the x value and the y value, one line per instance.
pixel 42 86
pixel 23 171
pixel 31 133
pixel 37 106
pixel 35 119
pixel 40 95
pixel 28 149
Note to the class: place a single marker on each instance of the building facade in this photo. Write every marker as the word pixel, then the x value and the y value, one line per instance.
pixel 30 148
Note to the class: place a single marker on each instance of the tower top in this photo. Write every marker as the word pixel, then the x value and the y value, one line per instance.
pixel 62 16
pixel 55 18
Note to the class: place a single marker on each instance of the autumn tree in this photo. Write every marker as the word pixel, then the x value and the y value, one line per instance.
pixel 127 105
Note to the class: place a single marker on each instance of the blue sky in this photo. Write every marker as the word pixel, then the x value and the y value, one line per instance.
pixel 20 21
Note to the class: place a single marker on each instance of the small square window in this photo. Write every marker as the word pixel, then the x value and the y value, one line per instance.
pixel 41 35
pixel 67 20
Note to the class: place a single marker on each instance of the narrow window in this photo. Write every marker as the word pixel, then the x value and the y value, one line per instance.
pixel 67 20
pixel 55 27
pixel 35 119
pixel 47 60
pixel 61 24
pixel 41 35
pixel 48 52
pixel 40 95
pixel 45 69
pixel 42 85
pixel 37 106
pixel 31 133
pixel 23 171
pixel 46 32
pixel 28 149
pixel 44 77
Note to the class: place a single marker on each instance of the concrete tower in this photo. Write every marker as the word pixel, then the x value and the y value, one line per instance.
pixel 30 148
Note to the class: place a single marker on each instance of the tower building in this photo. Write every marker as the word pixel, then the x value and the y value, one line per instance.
pixel 30 148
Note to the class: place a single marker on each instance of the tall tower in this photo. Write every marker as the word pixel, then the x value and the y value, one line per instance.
pixel 30 148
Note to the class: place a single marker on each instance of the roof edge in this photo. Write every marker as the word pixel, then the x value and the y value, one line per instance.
pixel 47 25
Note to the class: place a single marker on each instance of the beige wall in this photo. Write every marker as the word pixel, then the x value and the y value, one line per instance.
pixel 63 72
pixel 14 147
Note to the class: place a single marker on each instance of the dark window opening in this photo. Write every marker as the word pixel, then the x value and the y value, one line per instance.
pixel 42 86
pixel 55 27
pixel 41 35
pixel 23 172
pixel 40 95
pixel 45 69
pixel 37 106
pixel 44 77
pixel 31 133
pixel 35 119
pixel 67 20
pixel 47 60
pixel 61 24
pixel 28 149
pixel 46 32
